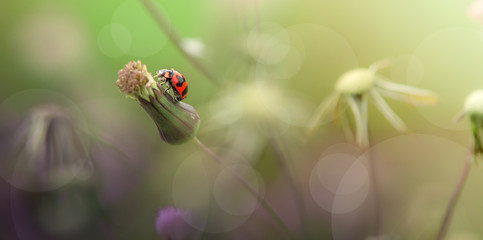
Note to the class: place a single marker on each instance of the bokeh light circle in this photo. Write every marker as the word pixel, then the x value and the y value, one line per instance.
pixel 217 199
pixel 414 173
pixel 451 70
pixel 339 183
pixel 333 54
pixel 407 69
pixel 132 15
pixel 114 40
pixel 51 39
pixel 191 185
pixel 231 195
pixel 268 43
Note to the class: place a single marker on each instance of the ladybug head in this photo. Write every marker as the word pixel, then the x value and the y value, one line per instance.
pixel 165 73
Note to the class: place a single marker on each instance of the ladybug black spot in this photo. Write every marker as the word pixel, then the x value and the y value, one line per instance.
pixel 180 82
pixel 170 74
pixel 185 91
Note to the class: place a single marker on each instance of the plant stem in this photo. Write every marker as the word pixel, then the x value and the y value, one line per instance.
pixel 262 201
pixel 359 108
pixel 454 197
pixel 375 191
pixel 282 160
pixel 175 38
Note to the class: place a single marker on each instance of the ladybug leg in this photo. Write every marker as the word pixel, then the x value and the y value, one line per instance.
pixel 167 86
pixel 163 82
pixel 177 97
pixel 173 94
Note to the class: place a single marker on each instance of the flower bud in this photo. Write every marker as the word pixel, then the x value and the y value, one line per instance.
pixel 177 122
pixel 474 109
pixel 474 103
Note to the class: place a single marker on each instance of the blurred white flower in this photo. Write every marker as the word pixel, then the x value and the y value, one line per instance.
pixel 473 108
pixel 193 46
pixel 475 11
pixel 248 113
pixel 51 39
pixel 474 103
pixel 355 87
pixel 268 43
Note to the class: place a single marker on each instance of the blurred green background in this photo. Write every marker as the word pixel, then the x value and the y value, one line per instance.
pixel 298 49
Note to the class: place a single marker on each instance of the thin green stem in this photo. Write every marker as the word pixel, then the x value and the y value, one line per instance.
pixel 262 201
pixel 175 38
pixel 454 197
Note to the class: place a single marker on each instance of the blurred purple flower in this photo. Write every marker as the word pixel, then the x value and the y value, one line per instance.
pixel 56 167
pixel 48 150
pixel 173 224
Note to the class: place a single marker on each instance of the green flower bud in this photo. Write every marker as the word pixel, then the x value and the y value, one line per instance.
pixel 355 82
pixel 474 103
pixel 474 109
pixel 177 122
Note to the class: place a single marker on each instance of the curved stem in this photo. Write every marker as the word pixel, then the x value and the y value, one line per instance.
pixel 454 197
pixel 373 178
pixel 262 201
pixel 377 197
pixel 175 38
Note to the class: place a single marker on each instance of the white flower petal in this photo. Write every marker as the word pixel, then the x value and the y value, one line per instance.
pixel 381 64
pixel 362 137
pixel 459 116
pixel 405 93
pixel 386 110
pixel 329 104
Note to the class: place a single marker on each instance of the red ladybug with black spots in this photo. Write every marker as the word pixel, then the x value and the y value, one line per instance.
pixel 176 81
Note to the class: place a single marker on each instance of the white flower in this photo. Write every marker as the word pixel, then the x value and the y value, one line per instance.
pixel 356 87
pixel 475 11
pixel 474 109
pixel 474 103
pixel 193 46
pixel 247 114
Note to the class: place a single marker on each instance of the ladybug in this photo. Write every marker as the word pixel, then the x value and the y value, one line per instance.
pixel 175 81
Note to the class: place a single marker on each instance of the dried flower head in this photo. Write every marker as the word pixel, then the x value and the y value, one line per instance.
pixel 177 122
pixel 52 149
pixel 357 86
pixel 135 81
